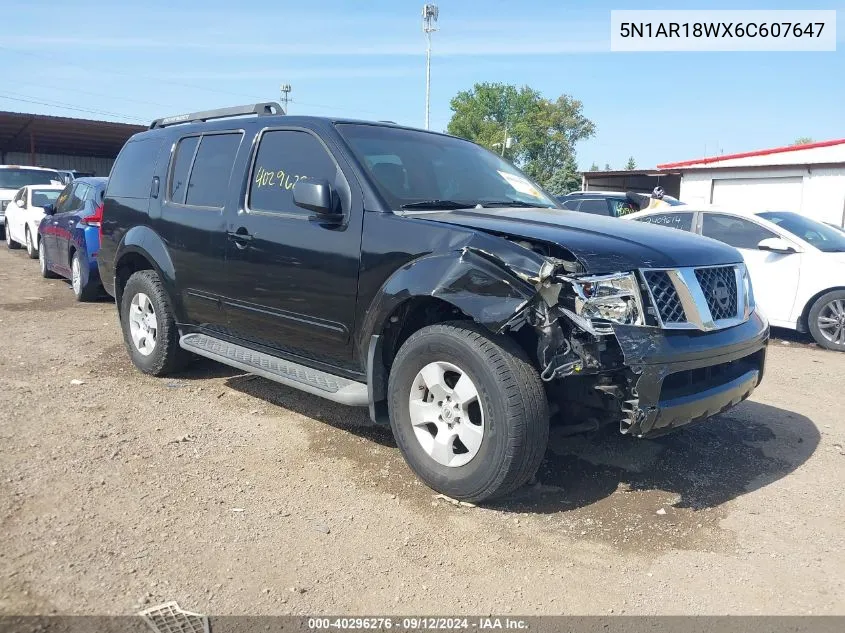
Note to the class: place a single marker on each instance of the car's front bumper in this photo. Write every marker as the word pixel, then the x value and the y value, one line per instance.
pixel 681 377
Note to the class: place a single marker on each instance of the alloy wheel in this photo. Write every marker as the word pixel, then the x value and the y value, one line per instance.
pixel 30 247
pixel 446 414
pixel 143 325
pixel 42 261
pixel 831 321
pixel 76 276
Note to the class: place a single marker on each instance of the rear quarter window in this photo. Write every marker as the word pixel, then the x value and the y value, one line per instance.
pixel 132 174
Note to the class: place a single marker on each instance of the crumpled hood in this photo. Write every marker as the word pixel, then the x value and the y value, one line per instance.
pixel 602 244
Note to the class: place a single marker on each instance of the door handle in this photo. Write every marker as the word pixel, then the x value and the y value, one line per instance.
pixel 241 237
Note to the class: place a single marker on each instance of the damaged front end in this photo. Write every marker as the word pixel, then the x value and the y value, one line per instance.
pixel 615 348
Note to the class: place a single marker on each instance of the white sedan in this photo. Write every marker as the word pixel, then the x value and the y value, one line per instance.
pixel 797 265
pixel 24 213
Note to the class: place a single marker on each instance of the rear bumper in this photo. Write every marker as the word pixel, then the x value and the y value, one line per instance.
pixel 685 377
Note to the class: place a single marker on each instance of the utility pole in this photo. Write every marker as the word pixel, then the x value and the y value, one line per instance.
pixel 429 15
pixel 285 90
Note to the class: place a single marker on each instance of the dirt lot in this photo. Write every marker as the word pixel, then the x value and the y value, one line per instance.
pixel 232 494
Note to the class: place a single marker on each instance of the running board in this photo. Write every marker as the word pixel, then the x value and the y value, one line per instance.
pixel 313 381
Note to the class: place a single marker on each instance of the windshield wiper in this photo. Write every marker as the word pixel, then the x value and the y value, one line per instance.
pixel 437 204
pixel 512 203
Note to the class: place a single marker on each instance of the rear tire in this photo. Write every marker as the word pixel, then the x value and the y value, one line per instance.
pixel 10 243
pixel 42 263
pixel 30 246
pixel 506 430
pixel 149 325
pixel 83 288
pixel 826 320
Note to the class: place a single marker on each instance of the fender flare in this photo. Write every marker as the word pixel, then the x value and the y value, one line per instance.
pixel 144 241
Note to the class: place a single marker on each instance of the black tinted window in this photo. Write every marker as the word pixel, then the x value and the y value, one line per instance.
pixel 212 167
pixel 594 206
pixel 682 221
pixel 620 207
pixel 572 205
pixel 132 174
pixel 181 168
pixel 77 198
pixel 735 231
pixel 284 157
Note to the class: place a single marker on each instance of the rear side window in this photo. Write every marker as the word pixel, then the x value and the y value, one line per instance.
pixel 681 221
pixel 596 207
pixel 182 168
pixel 283 158
pixel 132 174
pixel 209 179
pixel 737 232
pixel 572 205
pixel 622 207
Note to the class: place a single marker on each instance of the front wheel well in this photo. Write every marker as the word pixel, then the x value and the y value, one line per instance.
pixel 128 265
pixel 412 315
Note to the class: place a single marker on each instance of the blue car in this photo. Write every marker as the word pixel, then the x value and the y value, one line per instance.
pixel 69 236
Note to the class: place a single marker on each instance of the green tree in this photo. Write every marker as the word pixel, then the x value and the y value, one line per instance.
pixel 565 179
pixel 594 167
pixel 607 167
pixel 631 164
pixel 802 140
pixel 544 131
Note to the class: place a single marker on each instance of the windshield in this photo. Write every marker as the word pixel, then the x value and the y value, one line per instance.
pixel 42 197
pixel 823 237
pixel 435 171
pixel 17 178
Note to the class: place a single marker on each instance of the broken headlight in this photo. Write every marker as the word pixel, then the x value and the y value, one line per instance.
pixel 603 300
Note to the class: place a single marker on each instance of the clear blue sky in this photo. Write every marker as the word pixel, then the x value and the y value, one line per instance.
pixel 366 59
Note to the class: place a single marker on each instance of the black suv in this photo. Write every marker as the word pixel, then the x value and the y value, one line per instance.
pixel 424 277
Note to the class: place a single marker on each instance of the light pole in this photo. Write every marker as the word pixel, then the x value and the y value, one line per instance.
pixel 285 90
pixel 429 15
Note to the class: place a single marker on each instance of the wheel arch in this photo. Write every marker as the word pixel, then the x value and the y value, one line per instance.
pixel 143 249
pixel 430 290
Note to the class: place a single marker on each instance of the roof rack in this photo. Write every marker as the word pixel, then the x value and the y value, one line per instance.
pixel 261 109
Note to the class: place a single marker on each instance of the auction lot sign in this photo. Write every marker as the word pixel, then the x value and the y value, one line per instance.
pixel 542 624
pixel 729 30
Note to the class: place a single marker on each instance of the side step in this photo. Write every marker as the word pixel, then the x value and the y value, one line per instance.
pixel 313 381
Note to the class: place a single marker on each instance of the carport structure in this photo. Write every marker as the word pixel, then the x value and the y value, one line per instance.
pixel 62 142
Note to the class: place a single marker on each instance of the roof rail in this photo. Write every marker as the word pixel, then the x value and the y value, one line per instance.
pixel 261 109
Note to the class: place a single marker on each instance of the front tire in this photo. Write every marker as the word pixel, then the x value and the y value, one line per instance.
pixel 10 243
pixel 149 325
pixel 826 320
pixel 468 411
pixel 31 250
pixel 80 279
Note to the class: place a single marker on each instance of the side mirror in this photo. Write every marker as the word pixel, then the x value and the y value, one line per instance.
pixel 49 209
pixel 777 245
pixel 317 196
pixel 20 203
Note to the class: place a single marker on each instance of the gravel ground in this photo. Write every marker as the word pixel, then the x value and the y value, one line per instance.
pixel 233 495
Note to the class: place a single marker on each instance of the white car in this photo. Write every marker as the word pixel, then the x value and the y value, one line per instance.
pixel 797 265
pixel 24 213
pixel 13 177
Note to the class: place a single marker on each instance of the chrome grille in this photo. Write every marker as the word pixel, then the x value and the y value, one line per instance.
pixel 666 298
pixel 719 288
pixel 705 298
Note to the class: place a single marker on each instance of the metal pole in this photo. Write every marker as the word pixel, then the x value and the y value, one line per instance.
pixel 427 76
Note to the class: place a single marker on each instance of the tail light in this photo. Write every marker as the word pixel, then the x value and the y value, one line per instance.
pixel 95 219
